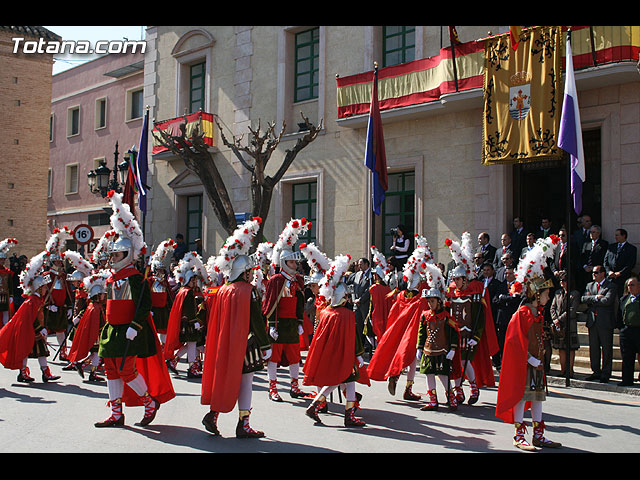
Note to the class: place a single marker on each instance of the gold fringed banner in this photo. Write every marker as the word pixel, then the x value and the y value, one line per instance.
pixel 522 97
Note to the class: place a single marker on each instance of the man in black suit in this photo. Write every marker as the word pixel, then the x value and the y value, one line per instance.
pixel 518 236
pixel 491 284
pixel 582 234
pixel 484 246
pixel 602 299
pixel 361 281
pixel 508 261
pixel 546 228
pixel 506 246
pixel 592 254
pixel 620 260
pixel 505 306
pixel 561 259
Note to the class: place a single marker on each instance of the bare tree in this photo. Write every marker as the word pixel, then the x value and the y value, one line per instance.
pixel 258 150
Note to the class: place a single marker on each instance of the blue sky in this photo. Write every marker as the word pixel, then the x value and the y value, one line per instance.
pixel 91 34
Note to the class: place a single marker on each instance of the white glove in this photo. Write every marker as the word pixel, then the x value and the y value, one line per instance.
pixel 273 332
pixel 418 354
pixel 76 319
pixel 131 333
pixel 360 361
pixel 69 313
pixel 266 355
pixel 451 354
pixel 300 330
pixel 53 308
pixel 43 332
pixel 534 362
pixel 197 325
pixel 471 342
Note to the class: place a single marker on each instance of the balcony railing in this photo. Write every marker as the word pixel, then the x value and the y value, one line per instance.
pixel 202 120
pixel 427 80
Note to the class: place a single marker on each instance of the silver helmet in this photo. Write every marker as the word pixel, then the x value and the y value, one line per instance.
pixel 287 255
pixel 38 281
pixel 459 271
pixel 339 294
pixel 432 293
pixel 123 244
pixel 241 264
pixel 97 289
pixel 76 276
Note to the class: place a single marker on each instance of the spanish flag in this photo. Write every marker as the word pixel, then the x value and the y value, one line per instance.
pixel 514 32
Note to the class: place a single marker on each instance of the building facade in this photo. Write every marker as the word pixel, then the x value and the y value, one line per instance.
pixel 438 185
pixel 96 117
pixel 25 103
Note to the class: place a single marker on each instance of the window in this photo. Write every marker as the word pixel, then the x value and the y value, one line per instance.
pixel 303 204
pixel 398 45
pixel 97 219
pixel 135 104
pixel 101 113
pixel 51 117
pixel 398 207
pixel 71 179
pixel 73 121
pixel 196 87
pixel 194 220
pixel 49 183
pixel 306 65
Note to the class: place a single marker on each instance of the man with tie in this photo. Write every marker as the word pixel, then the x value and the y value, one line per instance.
pixel 630 330
pixel 582 234
pixel 487 250
pixel 601 299
pixel 506 246
pixel 620 260
pixel 592 253
pixel 518 236
pixel 561 258
pixel 361 281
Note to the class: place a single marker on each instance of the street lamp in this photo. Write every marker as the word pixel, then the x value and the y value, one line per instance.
pixel 100 180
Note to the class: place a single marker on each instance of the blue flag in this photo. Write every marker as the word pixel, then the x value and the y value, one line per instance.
pixel 570 137
pixel 142 166
pixel 375 157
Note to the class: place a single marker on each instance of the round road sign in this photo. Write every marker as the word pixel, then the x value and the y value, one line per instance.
pixel 83 234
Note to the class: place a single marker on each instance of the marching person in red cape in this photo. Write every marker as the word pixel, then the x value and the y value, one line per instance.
pixel 58 308
pixel 134 364
pixel 380 300
pixel 437 341
pixel 522 383
pixel 88 326
pixel 283 306
pixel 162 295
pixel 335 354
pixel 25 335
pixel 397 349
pixel 6 282
pixel 188 317
pixel 237 343
pixel 470 306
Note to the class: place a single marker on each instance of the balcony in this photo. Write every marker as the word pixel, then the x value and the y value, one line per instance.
pixel 602 55
pixel 202 120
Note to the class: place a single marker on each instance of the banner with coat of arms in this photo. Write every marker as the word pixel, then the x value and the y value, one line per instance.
pixel 522 96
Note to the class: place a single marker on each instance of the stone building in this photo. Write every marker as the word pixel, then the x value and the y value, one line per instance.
pixel 438 185
pixel 25 103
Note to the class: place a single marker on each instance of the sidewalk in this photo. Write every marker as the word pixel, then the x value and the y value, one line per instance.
pixel 554 378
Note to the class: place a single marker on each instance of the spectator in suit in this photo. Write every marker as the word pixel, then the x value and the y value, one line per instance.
pixel 546 228
pixel 491 284
pixel 630 329
pixel 530 241
pixel 361 281
pixel 518 236
pixel 560 327
pixel 592 253
pixel 582 234
pixel 620 260
pixel 484 246
pixel 181 247
pixel 508 261
pixel 505 246
pixel 601 299
pixel 505 306
pixel 561 259
pixel 478 263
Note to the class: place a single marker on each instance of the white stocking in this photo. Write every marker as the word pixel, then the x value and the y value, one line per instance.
pixel 431 382
pixel 191 352
pixel 294 371
pixel 115 387
pixel 138 385
pixel 411 373
pixel 246 390
pixel 95 359
pixel 60 336
pixel 272 370
pixel 536 411
pixel 350 395
pixel 42 361
pixel 518 412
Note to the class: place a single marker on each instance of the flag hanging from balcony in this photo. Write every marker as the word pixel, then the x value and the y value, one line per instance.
pixel 199 120
pixel 142 166
pixel 375 157
pixel 522 97
pixel 570 138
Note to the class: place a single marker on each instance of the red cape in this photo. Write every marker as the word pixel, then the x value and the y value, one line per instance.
pixel 87 333
pixel 307 325
pixel 397 347
pixel 381 303
pixel 332 355
pixel 172 342
pixel 273 290
pixel 18 335
pixel 488 344
pixel 226 345
pixel 513 374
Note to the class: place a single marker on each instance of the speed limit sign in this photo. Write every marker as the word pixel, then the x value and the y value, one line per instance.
pixel 83 234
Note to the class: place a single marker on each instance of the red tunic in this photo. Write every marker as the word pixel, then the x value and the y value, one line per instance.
pixel 226 344
pixel 397 347
pixel 18 335
pixel 381 303
pixel 513 374
pixel 172 342
pixel 488 344
pixel 87 332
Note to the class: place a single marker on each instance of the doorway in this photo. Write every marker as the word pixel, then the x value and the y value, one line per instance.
pixel 542 188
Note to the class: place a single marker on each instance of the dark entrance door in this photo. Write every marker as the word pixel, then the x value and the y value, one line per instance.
pixel 541 188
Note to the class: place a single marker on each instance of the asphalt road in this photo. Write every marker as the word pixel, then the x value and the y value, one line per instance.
pixel 58 417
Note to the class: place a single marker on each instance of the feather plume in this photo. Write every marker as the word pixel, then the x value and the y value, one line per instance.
pixel 318 261
pixel 98 278
pixel 6 244
pixel 534 262
pixel 125 223
pixel 435 278
pixel 103 245
pixel 79 262
pixel 31 271
pixel 239 243
pixel 160 254
pixel 289 237
pixel 460 255
pixel 333 275
pixel 379 259
pixel 54 244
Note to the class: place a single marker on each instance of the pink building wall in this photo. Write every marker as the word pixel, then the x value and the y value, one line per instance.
pixel 82 86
